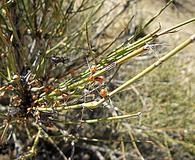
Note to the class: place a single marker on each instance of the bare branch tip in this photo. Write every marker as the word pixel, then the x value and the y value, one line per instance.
pixel 192 37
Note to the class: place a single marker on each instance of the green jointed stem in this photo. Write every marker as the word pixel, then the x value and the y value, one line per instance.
pixel 109 67
pixel 3 76
pixel 122 60
pixel 157 14
pixel 176 26
pixel 138 43
pixel 10 52
pixel 154 65
pixel 131 55
pixel 36 141
pixel 134 45
pixel 122 51
pixel 95 104
pixel 101 119
pixel 83 105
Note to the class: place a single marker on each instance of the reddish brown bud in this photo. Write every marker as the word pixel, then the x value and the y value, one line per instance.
pixel 100 79
pixel 103 92
pixel 93 69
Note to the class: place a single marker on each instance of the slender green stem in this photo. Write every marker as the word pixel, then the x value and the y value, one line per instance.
pixel 109 67
pixel 172 29
pixel 157 14
pixel 95 104
pixel 3 76
pixel 108 119
pixel 154 65
pixel 134 142
pixel 36 141
pixel 32 152
pixel 11 59
pixel 134 45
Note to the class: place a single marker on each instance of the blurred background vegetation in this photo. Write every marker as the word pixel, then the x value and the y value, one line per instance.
pixel 54 41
